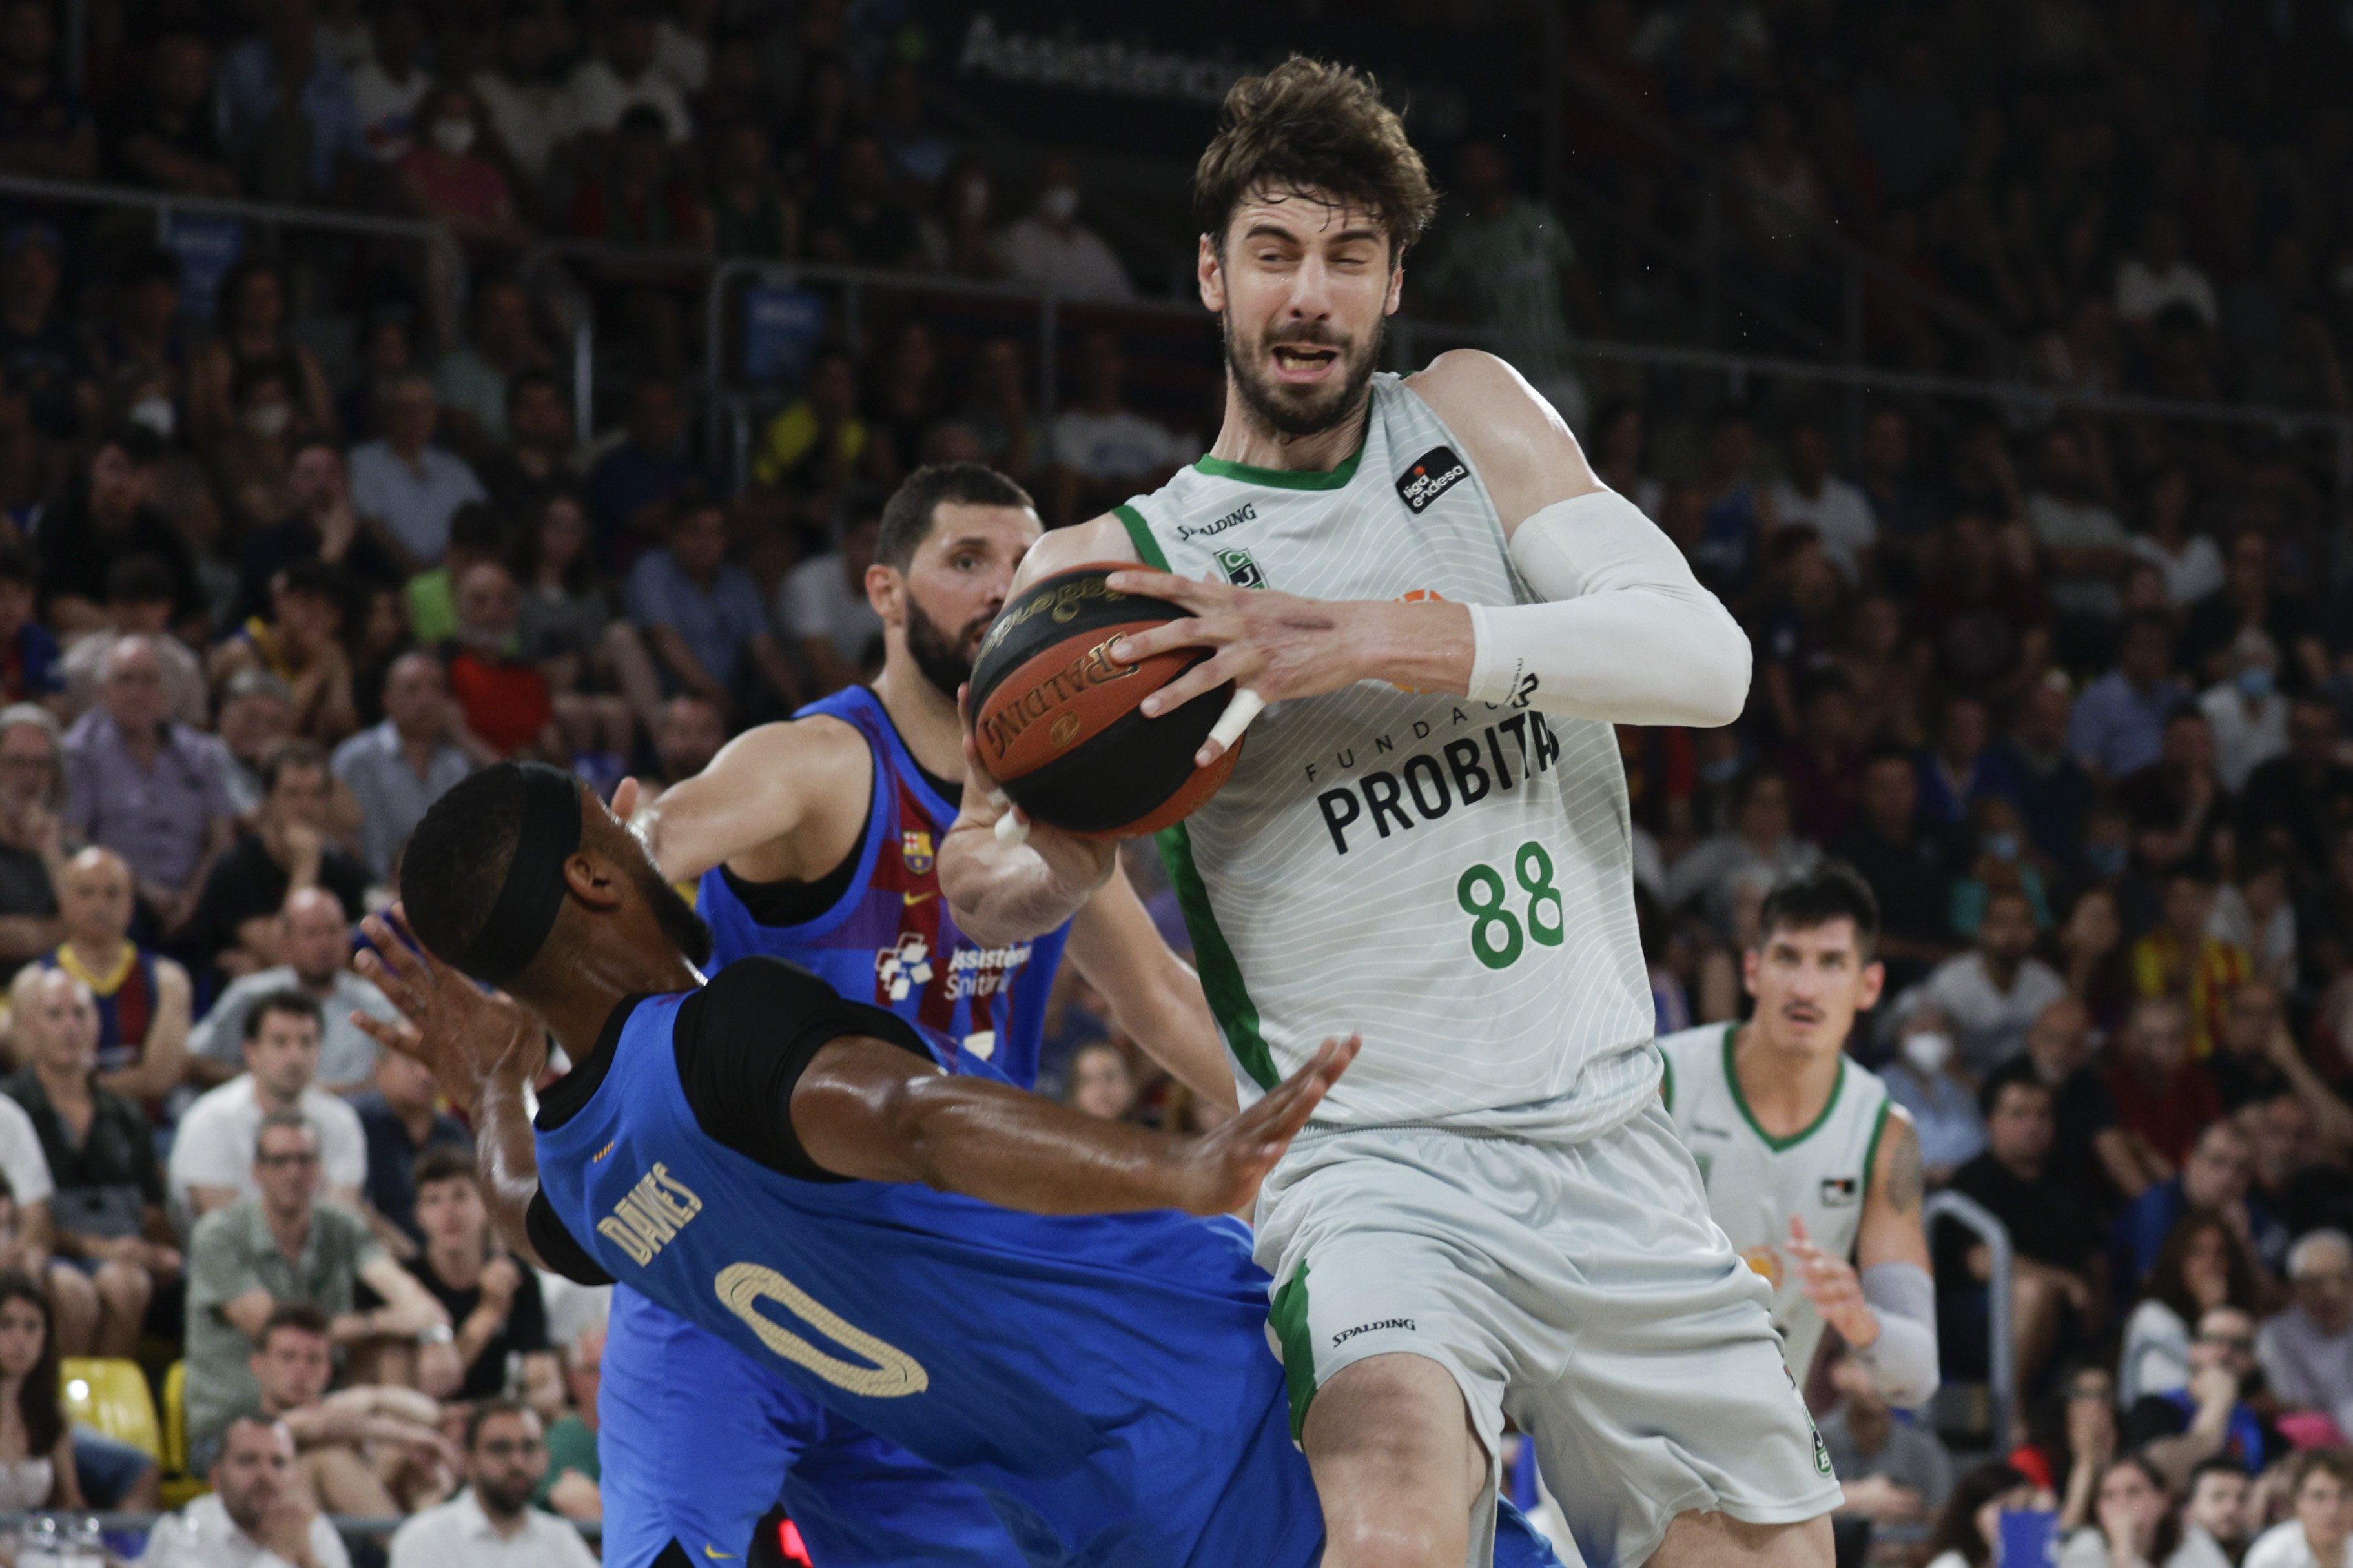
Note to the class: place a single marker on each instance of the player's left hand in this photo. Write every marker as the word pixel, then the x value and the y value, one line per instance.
pixel 468 1037
pixel 1830 1284
pixel 1271 646
pixel 1221 1168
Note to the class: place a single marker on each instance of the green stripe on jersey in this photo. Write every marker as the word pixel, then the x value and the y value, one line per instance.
pixel 1871 1153
pixel 1221 974
pixel 1284 478
pixel 1139 533
pixel 1287 1316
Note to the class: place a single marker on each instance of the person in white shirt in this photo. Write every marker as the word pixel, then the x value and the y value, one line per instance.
pixel 387 87
pixel 822 606
pixel 258 1515
pixel 528 105
pixel 212 1157
pixel 2191 562
pixel 2215 1519
pixel 2246 715
pixel 1812 497
pixel 491 1523
pixel 2160 277
pixel 622 76
pixel 317 947
pixel 1052 249
pixel 1994 994
pixel 2315 1537
pixel 1103 450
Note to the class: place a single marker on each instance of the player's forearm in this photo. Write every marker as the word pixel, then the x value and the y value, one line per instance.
pixel 507 1158
pixel 998 892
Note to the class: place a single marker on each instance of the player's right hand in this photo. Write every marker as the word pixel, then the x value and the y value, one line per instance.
pixel 993 846
pixel 1224 1167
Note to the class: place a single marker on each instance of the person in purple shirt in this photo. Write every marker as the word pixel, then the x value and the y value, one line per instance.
pixel 155 793
pixel 705 619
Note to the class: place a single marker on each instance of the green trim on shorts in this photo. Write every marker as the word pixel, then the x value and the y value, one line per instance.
pixel 1139 533
pixel 1871 1149
pixel 1222 973
pixel 1778 1145
pixel 1666 1082
pixel 1288 1317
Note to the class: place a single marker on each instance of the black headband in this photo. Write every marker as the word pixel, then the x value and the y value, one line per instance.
pixel 533 894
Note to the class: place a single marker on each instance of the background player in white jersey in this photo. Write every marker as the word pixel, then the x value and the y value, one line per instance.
pixel 1428 835
pixel 1810 1169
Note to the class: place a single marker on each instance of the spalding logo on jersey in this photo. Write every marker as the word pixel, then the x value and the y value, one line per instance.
pixel 1433 473
pixel 902 969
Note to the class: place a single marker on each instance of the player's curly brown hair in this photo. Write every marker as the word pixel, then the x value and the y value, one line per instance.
pixel 1319 131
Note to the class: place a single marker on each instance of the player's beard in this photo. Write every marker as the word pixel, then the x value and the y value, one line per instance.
pixel 1302 410
pixel 674 915
pixel 945 661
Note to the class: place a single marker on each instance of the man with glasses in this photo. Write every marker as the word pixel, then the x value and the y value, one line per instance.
pixel 287 1246
pixel 2182 1428
pixel 493 1523
pixel 32 833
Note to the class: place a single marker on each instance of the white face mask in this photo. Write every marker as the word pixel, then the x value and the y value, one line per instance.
pixel 453 136
pixel 1060 203
pixel 155 413
pixel 1928 1051
pixel 268 420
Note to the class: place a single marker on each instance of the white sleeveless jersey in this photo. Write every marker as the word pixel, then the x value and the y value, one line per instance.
pixel 1450 878
pixel 1755 1182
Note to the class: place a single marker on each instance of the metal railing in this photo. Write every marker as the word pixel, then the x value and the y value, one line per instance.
pixel 2000 1352
pixel 349 1526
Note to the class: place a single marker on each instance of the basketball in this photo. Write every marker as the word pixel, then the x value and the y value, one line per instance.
pixel 1060 723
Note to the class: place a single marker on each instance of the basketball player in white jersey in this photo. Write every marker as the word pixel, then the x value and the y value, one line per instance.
pixel 1426 838
pixel 1810 1169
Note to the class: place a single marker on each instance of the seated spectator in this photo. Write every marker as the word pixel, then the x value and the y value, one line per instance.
pixel 106 1214
pixel 138 603
pixel 1811 496
pixel 2258 915
pixel 1822 760
pixel 2051 1228
pixel 1908 863
pixel 689 735
pixel 374 1449
pixel 1986 622
pixel 2251 598
pixel 257 717
pixel 402 1125
pixel 1103 451
pixel 2071 1438
pixel 502 698
pixel 2003 862
pixel 2201 1265
pixel 523 93
pixel 258 1511
pixel 506 1460
pixel 2298 804
pixel 703 618
pixel 1994 993
pixel 237 922
pixel 301 644
pixel 316 950
pixel 1925 1079
pixel 2164 1099
pixel 2214 1176
pixel 29 657
pixel 2090 1148
pixel 622 75
pixel 861 220
pixel 322 525
pixel 404 480
pixel 2244 711
pixel 2182 961
pixel 164 134
pixel 2313 1537
pixel 1966 1532
pixel 42 354
pixel 493 1301
pixel 2250 1046
pixel 1893 1472
pixel 817 446
pixel 287 112
pixel 403 765
pixel 2306 1352
pixel 247 462
pixel 476 381
pixel 2213 1517
pixel 153 792
pixel 1958 769
pixel 641 199
pixel 2050 787
pixel 2118 726
pixel 212 1158
pixel 144 999
pixel 751 213
pixel 2158 276
pixel 36 1449
pixel 632 486
pixel 1760 847
pixel 108 516
pixel 477 534
pixel 1050 248
pixel 822 605
pixel 447 179
pixel 32 835
pixel 2086 549
pixel 2300 1177
pixel 2208 1417
pixel 282 1246
pixel 598 672
pixel 252 321
pixel 2176 804
pixel 573 1479
pixel 537 458
pixel 2136 1527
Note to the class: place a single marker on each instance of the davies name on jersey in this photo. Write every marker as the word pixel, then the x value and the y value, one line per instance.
pixel 1429 785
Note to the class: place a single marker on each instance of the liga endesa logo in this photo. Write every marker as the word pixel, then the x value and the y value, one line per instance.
pixel 1092 668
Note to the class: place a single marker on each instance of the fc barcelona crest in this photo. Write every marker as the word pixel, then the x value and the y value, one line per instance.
pixel 915 849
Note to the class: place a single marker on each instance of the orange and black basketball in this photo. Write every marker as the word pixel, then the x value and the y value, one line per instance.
pixel 1058 721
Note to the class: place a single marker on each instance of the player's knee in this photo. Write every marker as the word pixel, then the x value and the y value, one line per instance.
pixel 1394 1538
pixel 1720 1540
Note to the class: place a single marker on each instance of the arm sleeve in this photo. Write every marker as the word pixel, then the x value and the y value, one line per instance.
pixel 557 1247
pixel 1626 633
pixel 743 1043
pixel 1903 1359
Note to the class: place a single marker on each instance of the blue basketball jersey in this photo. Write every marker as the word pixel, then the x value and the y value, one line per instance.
pixel 889 939
pixel 1104 1380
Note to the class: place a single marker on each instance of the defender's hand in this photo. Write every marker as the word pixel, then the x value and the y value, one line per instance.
pixel 1830 1284
pixel 468 1037
pixel 1223 1168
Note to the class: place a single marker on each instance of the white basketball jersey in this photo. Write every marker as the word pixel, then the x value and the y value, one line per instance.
pixel 1453 880
pixel 1755 1182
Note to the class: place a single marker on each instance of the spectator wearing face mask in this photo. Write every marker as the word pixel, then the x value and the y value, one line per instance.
pixel 1050 248
pixel 1925 1079
pixel 447 179
pixel 2244 711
